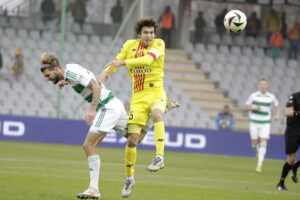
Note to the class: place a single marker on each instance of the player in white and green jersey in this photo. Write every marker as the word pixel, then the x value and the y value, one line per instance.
pixel 106 111
pixel 105 114
pixel 259 105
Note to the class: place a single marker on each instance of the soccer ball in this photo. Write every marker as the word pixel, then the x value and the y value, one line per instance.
pixel 235 21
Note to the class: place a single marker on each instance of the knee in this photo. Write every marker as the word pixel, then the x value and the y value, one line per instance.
pixel 157 116
pixel 132 141
pixel 263 144
pixel 291 159
pixel 87 147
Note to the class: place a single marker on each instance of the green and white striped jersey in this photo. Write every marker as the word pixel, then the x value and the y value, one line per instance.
pixel 264 101
pixel 79 78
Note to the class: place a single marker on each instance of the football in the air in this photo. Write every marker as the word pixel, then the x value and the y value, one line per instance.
pixel 235 21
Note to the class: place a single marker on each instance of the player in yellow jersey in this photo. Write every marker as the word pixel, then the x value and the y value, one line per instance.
pixel 144 59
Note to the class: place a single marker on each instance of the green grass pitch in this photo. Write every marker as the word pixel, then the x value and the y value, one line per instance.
pixel 34 171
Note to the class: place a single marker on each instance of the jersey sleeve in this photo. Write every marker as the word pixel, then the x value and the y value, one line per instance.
pixel 249 100
pixel 275 101
pixel 140 61
pixel 123 53
pixel 79 75
pixel 290 102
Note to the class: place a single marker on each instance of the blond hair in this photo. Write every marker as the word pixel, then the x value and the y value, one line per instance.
pixel 49 61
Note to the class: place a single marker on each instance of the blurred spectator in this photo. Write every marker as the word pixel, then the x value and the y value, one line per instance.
pixel 272 23
pixel 167 23
pixel 18 67
pixel 116 13
pixel 225 119
pixel 294 39
pixel 253 26
pixel 275 43
pixel 219 22
pixel 48 10
pixel 200 24
pixel 79 12
pixel 284 25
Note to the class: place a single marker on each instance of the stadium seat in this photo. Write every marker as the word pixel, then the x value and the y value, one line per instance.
pixel 226 39
pixel 215 38
pixel 22 33
pixel 235 50
pixel 248 52
pixel 224 49
pixel 258 51
pixel 88 28
pixel 239 40
pixel 83 39
pixel 212 49
pixel 262 42
pixel 280 62
pixel 293 64
pixel 200 48
pixel 189 47
pixel 34 35
pixel 10 33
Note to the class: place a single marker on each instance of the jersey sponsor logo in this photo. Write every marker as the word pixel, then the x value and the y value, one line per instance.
pixel 140 71
pixel 12 128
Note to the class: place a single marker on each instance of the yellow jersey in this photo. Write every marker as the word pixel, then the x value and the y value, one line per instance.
pixel 145 65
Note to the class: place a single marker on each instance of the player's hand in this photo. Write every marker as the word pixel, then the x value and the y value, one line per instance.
pixel 89 117
pixel 103 77
pixel 62 83
pixel 256 108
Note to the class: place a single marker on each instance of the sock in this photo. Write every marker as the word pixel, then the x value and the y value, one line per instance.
pixel 130 158
pixel 261 153
pixel 94 166
pixel 255 147
pixel 159 136
pixel 285 170
pixel 295 167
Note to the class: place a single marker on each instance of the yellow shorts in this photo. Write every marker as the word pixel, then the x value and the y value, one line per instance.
pixel 142 103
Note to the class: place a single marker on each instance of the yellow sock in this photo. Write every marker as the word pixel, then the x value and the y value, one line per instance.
pixel 159 136
pixel 130 158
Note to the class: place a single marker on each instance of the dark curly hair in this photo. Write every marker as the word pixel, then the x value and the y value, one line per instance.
pixel 149 22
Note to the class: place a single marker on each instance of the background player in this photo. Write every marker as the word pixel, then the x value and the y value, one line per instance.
pixel 144 58
pixel 292 140
pixel 259 106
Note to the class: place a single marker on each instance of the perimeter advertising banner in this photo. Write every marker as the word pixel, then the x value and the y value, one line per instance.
pixel 60 131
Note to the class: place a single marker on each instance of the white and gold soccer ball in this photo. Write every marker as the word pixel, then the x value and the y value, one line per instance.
pixel 235 21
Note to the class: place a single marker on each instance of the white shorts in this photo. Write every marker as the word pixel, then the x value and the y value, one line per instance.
pixel 111 116
pixel 259 130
